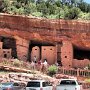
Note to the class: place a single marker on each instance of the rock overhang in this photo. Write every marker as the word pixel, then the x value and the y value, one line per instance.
pixel 45 30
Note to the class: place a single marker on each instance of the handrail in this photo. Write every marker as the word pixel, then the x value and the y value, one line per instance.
pixel 74 72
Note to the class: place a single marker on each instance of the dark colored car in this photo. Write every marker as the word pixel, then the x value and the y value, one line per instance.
pixel 10 86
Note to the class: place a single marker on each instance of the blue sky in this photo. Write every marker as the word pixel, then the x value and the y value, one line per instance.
pixel 88 1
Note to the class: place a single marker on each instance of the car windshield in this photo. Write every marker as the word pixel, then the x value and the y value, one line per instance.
pixel 67 82
pixel 6 84
pixel 33 84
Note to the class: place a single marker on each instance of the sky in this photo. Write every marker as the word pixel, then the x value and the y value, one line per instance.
pixel 88 1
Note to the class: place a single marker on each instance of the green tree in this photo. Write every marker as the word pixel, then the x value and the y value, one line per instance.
pixel 25 2
pixel 42 8
pixel 83 6
pixel 1 6
pixel 58 3
pixel 60 13
pixel 5 4
pixel 40 1
pixel 72 13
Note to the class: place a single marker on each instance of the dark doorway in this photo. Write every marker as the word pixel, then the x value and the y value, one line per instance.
pixel 59 45
pixel 81 54
pixel 59 58
pixel 5 55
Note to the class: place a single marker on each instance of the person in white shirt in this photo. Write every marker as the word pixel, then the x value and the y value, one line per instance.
pixel 32 65
pixel 45 65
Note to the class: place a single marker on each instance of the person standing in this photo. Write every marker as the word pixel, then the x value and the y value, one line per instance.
pixel 35 59
pixel 45 65
pixel 32 65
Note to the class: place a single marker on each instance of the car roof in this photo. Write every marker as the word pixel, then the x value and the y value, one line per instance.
pixel 38 81
pixel 9 82
pixel 68 79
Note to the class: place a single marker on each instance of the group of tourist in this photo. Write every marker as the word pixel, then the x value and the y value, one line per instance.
pixel 39 65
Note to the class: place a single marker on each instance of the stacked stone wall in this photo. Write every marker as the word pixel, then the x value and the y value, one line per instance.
pixel 67 54
pixel 81 63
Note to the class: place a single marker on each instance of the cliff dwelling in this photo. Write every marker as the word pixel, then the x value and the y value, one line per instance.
pixel 64 41
pixel 41 50
pixel 4 53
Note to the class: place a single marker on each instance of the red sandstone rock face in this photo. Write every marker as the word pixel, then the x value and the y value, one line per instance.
pixel 44 30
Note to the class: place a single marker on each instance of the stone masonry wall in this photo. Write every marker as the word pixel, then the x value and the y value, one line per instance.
pixel 22 47
pixel 48 53
pixel 67 54
pixel 80 63
pixel 35 53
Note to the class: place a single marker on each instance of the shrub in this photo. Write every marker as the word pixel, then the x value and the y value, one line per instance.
pixel 5 62
pixel 52 70
pixel 16 63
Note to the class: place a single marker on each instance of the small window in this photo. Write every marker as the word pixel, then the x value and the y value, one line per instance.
pixel 44 84
pixel 51 49
pixel 44 48
pixel 5 55
pixel 33 84
pixel 68 82
pixel 35 49
pixel 8 52
pixel 65 56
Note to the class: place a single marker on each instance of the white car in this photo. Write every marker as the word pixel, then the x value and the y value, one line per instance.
pixel 68 84
pixel 38 85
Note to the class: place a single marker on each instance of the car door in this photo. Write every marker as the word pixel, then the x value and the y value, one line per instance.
pixel 45 86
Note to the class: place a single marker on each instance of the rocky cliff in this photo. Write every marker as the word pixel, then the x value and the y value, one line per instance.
pixel 44 30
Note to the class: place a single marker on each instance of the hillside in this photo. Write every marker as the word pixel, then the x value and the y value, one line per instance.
pixel 52 9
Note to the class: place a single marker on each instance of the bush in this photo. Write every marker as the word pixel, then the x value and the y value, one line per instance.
pixel 52 70
pixel 5 62
pixel 16 63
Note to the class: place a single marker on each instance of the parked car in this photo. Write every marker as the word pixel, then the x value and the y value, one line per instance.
pixel 10 86
pixel 68 84
pixel 38 85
